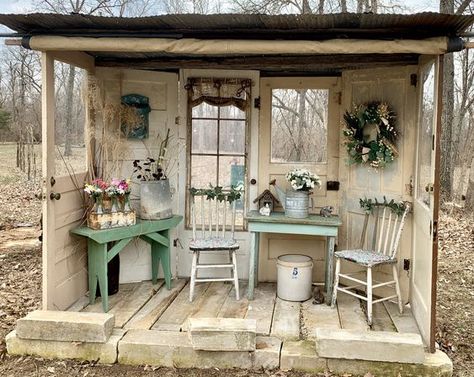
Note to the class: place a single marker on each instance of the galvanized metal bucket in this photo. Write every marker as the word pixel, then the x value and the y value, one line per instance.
pixel 155 200
pixel 297 204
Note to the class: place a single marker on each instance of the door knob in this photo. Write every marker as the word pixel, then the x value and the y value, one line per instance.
pixel 55 196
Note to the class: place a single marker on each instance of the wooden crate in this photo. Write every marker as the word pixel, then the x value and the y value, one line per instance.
pixel 111 220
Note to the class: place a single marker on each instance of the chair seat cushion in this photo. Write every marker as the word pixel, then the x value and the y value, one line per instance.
pixel 213 243
pixel 365 257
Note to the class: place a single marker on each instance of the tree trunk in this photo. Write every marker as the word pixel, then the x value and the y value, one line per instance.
pixel 344 6
pixel 447 168
pixel 301 123
pixel 470 189
pixel 68 118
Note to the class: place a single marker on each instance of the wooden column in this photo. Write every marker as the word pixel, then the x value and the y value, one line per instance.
pixel 47 120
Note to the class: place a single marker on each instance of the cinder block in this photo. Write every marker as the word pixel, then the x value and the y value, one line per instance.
pixel 106 353
pixel 66 326
pixel 267 353
pixel 222 334
pixel 174 349
pixel 301 355
pixel 370 345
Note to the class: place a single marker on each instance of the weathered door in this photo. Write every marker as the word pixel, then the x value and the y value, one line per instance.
pixel 425 211
pixel 299 128
pixel 64 168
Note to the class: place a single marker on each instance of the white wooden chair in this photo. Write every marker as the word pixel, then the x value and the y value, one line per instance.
pixel 213 236
pixel 381 249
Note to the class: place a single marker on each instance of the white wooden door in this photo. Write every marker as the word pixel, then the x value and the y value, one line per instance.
pixel 425 211
pixel 393 86
pixel 64 173
pixel 299 128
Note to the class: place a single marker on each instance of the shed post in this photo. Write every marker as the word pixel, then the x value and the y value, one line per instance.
pixel 47 122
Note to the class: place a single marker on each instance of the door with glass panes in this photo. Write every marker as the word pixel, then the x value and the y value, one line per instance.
pixel 298 129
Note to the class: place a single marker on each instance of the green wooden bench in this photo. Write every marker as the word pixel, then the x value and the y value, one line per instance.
pixel 154 232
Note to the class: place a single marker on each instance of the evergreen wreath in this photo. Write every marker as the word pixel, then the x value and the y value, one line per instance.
pixel 371 134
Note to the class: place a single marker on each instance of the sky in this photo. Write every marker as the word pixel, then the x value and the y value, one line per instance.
pixel 23 6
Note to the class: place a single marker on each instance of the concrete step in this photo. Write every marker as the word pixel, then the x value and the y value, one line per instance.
pixel 222 334
pixel 66 326
pixel 174 349
pixel 370 345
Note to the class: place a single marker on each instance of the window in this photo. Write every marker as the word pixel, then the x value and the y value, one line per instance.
pixel 299 125
pixel 218 123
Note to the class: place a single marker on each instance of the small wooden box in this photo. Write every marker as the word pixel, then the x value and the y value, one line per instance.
pixel 109 220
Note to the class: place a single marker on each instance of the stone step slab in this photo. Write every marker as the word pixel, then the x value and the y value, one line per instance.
pixel 301 355
pixel 105 353
pixel 66 326
pixel 222 334
pixel 371 346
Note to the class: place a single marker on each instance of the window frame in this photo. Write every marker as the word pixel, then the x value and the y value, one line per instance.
pixel 189 154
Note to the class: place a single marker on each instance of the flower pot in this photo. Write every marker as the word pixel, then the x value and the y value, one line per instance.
pixel 155 200
pixel 297 204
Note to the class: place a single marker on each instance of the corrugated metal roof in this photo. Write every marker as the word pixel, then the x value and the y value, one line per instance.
pixel 342 25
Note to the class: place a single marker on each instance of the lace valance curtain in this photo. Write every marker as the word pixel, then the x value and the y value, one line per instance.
pixel 219 92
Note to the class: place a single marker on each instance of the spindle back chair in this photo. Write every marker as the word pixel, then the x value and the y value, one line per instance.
pixel 386 225
pixel 215 232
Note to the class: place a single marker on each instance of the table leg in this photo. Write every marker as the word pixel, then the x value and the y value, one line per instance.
pixel 329 278
pixel 161 253
pixel 253 263
pixel 97 254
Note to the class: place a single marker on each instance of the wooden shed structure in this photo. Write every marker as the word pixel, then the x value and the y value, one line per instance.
pixel 339 60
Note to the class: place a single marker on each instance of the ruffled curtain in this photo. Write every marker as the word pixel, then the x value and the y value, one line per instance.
pixel 219 92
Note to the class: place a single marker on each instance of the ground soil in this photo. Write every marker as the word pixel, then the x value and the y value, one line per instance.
pixel 20 290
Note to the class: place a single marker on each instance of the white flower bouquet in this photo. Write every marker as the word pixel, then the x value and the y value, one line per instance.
pixel 303 180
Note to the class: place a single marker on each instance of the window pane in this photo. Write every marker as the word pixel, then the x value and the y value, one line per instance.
pixel 204 138
pixel 425 137
pixel 231 170
pixel 203 171
pixel 204 111
pixel 232 137
pixel 232 112
pixel 299 125
pixel 70 149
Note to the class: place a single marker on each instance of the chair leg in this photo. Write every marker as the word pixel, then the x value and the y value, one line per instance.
pixel 369 295
pixel 397 287
pixel 336 283
pixel 193 276
pixel 236 275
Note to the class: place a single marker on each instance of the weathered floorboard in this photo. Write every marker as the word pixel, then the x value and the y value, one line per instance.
pixel 286 319
pixel 318 316
pixel 122 294
pixel 127 308
pixel 350 313
pixel 178 312
pixel 404 323
pixel 381 320
pixel 233 308
pixel 262 306
pixel 155 307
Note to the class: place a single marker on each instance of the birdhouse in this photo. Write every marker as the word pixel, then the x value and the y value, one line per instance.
pixel 266 197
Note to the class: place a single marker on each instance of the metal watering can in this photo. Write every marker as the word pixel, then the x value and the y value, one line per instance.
pixel 295 203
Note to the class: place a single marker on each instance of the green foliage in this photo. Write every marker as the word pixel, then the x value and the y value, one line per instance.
pixel 5 119
pixel 368 205
pixel 218 192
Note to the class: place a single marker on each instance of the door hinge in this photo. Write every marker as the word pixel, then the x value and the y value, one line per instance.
pixel 433 142
pixel 176 120
pixel 435 231
pixel 339 98
pixel 413 79
pixel 406 264
pixel 256 103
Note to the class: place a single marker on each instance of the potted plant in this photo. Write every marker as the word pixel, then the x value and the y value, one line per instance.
pixel 155 193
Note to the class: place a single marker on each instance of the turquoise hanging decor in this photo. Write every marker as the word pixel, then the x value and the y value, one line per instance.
pixel 136 128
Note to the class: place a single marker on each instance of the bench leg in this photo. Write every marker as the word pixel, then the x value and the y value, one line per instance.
pixel 98 267
pixel 161 253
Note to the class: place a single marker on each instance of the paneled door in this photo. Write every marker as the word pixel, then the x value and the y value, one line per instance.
pixel 298 129
pixel 425 211
pixel 64 167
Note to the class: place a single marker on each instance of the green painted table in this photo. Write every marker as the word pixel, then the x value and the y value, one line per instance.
pixel 154 232
pixel 277 222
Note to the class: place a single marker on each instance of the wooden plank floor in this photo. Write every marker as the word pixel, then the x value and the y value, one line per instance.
pixel 147 306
